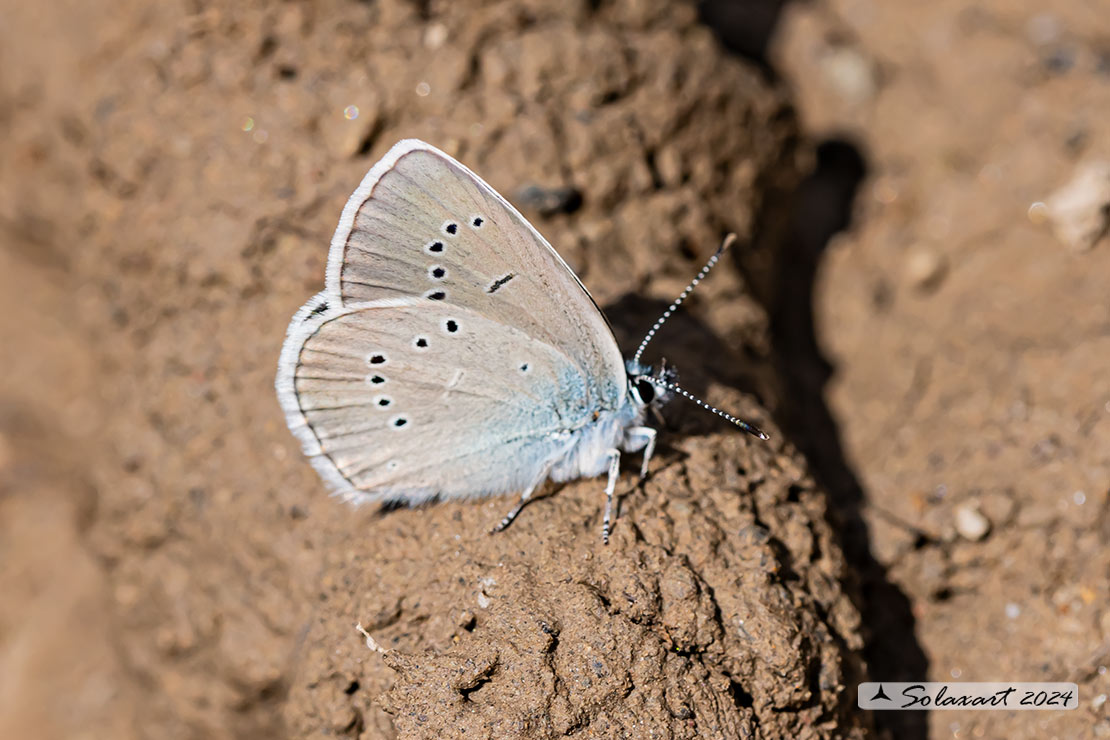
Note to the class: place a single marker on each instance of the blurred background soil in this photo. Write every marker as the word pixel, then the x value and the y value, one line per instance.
pixel 921 314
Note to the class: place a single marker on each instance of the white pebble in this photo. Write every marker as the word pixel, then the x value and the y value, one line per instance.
pixel 970 523
pixel 850 74
pixel 435 35
pixel 1080 210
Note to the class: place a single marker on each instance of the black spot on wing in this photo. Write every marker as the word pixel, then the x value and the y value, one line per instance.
pixel 497 284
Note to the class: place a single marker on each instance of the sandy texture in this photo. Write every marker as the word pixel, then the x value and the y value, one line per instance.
pixel 188 166
pixel 910 316
pixel 968 344
pixel 698 619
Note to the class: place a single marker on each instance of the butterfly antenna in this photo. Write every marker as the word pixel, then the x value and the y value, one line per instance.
pixel 752 430
pixel 683 295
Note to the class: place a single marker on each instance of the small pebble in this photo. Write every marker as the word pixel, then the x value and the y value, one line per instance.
pixel 1080 210
pixel 435 35
pixel 925 269
pixel 549 201
pixel 1037 213
pixel 970 523
pixel 850 74
pixel 345 131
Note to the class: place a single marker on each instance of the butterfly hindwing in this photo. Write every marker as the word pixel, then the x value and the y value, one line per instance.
pixel 409 399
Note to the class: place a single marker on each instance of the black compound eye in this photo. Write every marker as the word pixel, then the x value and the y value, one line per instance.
pixel 645 390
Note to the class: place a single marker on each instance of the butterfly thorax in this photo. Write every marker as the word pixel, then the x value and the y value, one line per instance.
pixel 587 451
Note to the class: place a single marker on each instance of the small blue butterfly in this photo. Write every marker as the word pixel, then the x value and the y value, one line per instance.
pixel 454 354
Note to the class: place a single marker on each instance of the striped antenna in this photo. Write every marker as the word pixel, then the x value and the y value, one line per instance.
pixel 752 430
pixel 682 296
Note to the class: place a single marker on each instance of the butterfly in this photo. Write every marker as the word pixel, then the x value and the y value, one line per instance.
pixel 454 354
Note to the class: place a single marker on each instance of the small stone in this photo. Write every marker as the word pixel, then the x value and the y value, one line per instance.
pixel 970 523
pixel 549 201
pixel 1080 210
pixel 347 130
pixel 435 35
pixel 925 269
pixel 850 74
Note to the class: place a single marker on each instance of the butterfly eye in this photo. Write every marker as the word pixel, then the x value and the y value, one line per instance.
pixel 477 222
pixel 645 390
pixel 434 247
pixel 451 228
pixel 420 343
pixel 435 295
pixel 376 359
pixel 398 421
pixel 375 379
pixel 437 272
pixel 383 401
pixel 450 326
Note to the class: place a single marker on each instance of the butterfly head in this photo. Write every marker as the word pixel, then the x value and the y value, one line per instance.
pixel 648 386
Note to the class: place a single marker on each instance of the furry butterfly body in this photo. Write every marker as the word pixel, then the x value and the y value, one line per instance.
pixel 453 353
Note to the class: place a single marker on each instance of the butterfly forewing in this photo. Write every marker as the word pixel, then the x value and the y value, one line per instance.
pixel 424 225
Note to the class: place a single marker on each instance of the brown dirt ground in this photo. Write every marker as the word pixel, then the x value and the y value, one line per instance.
pixel 919 342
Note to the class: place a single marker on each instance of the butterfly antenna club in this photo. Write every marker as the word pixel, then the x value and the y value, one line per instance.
pixel 728 241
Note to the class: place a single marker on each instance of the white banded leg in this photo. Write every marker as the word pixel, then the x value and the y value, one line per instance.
pixel 524 498
pixel 614 473
pixel 641 438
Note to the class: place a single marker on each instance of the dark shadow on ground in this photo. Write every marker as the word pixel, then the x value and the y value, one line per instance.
pixel 819 209
pixel 744 27
pixel 797 228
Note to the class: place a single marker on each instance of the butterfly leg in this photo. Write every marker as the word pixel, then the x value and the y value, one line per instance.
pixel 640 438
pixel 524 499
pixel 610 486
